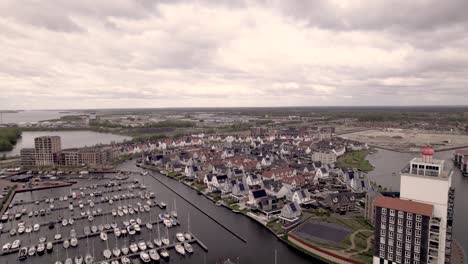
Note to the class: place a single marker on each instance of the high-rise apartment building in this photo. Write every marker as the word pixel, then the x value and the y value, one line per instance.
pixel 47 150
pixel 417 227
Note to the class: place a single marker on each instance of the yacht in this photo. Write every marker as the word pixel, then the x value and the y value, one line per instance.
pixel 94 229
pixel 153 253
pixel 187 236
pixel 149 244
pixel 36 227
pixel 133 247
pixel 145 257
pixel 28 229
pixel 57 236
pixel 49 247
pixel 42 239
pixel 180 237
pixel 88 259
pixel 125 260
pixel 142 245
pixel 74 242
pixel 149 226
pixel 103 236
pixel 23 253
pixel 164 253
pixel 66 244
pixel 116 251
pixel 180 249
pixel 21 229
pixel 40 248
pixel 125 250
pixel 6 247
pixel 117 232
pixel 16 244
pixel 107 253
pixel 78 260
pixel 188 247
pixel 32 251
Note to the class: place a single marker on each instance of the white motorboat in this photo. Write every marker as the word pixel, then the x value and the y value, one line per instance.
pixel 154 255
pixel 78 259
pixel 117 232
pixel 74 242
pixel 107 253
pixel 57 236
pixel 149 226
pixel 66 244
pixel 188 247
pixel 65 222
pixel 125 260
pixel 103 236
pixel 6 247
pixel 125 250
pixel 149 244
pixel 133 247
pixel 145 257
pixel 49 247
pixel 40 248
pixel 187 236
pixel 32 251
pixel 164 253
pixel 114 212
pixel 180 249
pixel 157 242
pixel 94 229
pixel 23 253
pixel 116 251
pixel 36 227
pixel 28 229
pixel 142 245
pixel 89 259
pixel 180 237
pixel 68 261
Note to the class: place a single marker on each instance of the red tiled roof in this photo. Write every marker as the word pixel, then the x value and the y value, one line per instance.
pixel 404 205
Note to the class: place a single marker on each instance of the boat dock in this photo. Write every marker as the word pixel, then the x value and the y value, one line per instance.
pixel 199 209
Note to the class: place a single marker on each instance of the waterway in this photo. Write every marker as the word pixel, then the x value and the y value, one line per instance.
pixel 70 139
pixel 387 163
pixel 32 116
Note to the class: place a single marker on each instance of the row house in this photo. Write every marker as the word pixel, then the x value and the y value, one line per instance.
pixel 278 173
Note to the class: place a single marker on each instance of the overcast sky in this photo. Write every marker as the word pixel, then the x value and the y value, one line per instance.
pixel 57 54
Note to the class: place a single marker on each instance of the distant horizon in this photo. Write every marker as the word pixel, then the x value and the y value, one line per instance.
pixel 240 107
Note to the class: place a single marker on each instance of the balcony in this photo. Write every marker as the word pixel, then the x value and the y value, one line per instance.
pixel 434 237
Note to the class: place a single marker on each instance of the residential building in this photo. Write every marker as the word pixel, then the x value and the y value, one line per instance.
pixel 325 156
pixel 340 202
pixel 426 194
pixel 47 150
pixel 290 212
pixel 28 157
pixel 369 208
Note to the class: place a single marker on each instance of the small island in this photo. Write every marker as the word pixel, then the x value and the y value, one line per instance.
pixel 8 138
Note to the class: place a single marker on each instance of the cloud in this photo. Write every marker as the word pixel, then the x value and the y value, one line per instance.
pixel 123 53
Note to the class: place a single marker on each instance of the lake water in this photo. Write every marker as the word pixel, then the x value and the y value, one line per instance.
pixel 70 139
pixel 388 162
pixel 31 116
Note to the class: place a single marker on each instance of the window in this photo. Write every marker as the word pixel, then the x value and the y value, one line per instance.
pixel 384 218
pixel 418 233
pixel 398 251
pixel 417 241
pixel 407 261
pixel 392 212
pixel 409 223
pixel 417 249
pixel 418 225
pixel 382 247
pixel 390 234
pixel 382 240
pixel 390 241
pixel 398 245
pixel 390 248
pixel 416 256
pixel 409 231
pixel 382 232
pixel 391 227
pixel 416 262
pixel 384 211
pixel 392 219
pixel 390 256
pixel 401 214
pixel 408 239
pixel 382 254
pixel 400 229
pixel 400 221
pixel 418 218
pixel 407 254
pixel 398 259
pixel 409 216
pixel 399 237
pixel 383 225
pixel 408 246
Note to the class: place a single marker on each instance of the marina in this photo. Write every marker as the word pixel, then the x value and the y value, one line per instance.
pixel 93 212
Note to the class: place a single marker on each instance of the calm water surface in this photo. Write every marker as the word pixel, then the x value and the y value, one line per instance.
pixel 31 116
pixel 70 139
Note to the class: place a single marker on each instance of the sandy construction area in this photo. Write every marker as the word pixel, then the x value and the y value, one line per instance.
pixel 408 140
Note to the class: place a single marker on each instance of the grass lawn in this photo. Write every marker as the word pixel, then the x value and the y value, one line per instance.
pixel 355 159
pixel 199 187
pixel 276 226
